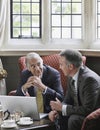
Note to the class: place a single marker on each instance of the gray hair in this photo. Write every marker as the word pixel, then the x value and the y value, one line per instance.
pixel 72 56
pixel 32 55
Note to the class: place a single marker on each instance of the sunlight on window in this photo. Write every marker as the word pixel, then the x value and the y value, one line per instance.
pixel 25 19
pixel 98 19
pixel 66 19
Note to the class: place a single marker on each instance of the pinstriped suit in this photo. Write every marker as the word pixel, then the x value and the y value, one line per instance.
pixel 88 98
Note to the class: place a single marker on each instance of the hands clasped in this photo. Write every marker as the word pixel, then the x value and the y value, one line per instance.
pixel 34 81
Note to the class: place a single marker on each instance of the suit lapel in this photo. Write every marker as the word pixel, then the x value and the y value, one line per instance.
pixel 79 84
pixel 44 76
pixel 80 76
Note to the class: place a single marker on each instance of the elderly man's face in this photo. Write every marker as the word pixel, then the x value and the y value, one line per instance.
pixel 36 67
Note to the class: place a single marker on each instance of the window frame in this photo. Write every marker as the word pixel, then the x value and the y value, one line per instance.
pixel 71 15
pixel 88 40
pixel 21 15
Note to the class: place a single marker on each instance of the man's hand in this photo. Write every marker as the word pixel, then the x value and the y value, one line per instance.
pixel 38 83
pixel 34 81
pixel 56 105
pixel 28 84
pixel 52 115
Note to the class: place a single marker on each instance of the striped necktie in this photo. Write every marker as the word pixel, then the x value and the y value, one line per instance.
pixel 75 93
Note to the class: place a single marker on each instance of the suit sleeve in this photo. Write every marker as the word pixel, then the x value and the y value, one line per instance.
pixel 24 77
pixel 22 82
pixel 56 89
pixel 89 98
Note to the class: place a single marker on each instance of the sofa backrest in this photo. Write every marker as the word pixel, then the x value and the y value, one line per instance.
pixel 52 60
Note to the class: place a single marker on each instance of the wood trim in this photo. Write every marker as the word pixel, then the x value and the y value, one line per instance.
pixel 86 52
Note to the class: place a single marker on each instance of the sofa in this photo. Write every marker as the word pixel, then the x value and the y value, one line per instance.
pixel 92 121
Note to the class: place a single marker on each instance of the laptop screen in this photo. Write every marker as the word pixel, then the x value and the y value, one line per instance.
pixel 27 105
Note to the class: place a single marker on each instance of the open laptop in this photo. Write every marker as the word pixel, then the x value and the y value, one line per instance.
pixel 27 105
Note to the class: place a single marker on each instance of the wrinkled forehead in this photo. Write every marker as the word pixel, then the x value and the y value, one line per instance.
pixel 35 60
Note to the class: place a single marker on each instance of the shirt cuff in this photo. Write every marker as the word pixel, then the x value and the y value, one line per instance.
pixel 45 90
pixel 64 107
pixel 24 92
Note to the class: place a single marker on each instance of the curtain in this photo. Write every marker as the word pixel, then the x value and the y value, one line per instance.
pixel 3 19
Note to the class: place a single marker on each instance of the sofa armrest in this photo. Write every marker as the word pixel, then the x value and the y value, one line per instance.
pixel 92 121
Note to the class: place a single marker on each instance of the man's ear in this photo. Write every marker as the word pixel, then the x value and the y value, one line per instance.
pixel 71 66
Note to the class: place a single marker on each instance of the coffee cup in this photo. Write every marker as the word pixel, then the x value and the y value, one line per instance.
pixel 25 119
pixel 8 122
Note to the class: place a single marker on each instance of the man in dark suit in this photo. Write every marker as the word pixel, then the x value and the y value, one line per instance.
pixel 82 96
pixel 43 77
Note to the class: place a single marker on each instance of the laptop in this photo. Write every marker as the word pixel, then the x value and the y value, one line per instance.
pixel 27 105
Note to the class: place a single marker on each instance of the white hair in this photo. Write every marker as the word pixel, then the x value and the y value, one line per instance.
pixel 32 55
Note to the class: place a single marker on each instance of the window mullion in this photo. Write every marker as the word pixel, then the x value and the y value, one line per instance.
pixel 89 26
pixel 46 21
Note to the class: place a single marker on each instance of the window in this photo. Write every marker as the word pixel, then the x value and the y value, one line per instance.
pixel 66 19
pixel 98 18
pixel 25 18
pixel 50 24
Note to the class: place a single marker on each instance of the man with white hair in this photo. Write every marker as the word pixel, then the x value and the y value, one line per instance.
pixel 43 77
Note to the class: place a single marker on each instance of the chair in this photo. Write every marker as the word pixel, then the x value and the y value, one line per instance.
pixel 92 121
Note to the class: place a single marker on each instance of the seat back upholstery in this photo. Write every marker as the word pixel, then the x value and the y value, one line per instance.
pixel 53 61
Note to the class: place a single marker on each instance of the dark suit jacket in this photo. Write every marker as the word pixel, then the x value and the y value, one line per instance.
pixel 88 93
pixel 51 78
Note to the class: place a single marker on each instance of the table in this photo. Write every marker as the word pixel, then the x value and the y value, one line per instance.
pixel 43 124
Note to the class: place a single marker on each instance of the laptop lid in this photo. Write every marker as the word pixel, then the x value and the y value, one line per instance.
pixel 27 105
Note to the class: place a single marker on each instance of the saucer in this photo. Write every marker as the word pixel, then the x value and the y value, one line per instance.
pixel 25 123
pixel 10 126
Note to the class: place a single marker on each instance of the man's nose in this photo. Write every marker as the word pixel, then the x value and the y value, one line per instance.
pixel 37 67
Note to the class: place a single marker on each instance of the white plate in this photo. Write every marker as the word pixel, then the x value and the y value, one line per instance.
pixel 25 123
pixel 10 126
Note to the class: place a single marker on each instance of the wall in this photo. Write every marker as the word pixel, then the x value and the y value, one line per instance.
pixel 94 63
pixel 10 63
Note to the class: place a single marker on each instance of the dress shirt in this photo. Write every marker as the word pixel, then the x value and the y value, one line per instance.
pixel 64 106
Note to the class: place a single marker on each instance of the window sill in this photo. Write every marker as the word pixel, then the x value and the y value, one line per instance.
pixel 12 52
pixel 22 47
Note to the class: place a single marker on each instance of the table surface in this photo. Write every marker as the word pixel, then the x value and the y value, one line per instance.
pixel 43 123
